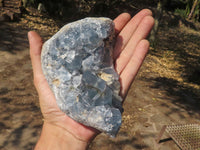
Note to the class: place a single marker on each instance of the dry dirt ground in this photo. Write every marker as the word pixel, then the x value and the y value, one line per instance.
pixel 166 90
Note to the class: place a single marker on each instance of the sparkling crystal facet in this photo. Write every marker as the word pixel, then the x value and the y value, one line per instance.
pixel 77 63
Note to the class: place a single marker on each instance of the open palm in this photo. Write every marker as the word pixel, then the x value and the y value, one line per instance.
pixel 129 53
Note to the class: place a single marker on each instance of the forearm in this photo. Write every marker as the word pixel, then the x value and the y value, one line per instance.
pixel 54 138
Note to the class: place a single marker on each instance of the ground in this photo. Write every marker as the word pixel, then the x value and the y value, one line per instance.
pixel 166 90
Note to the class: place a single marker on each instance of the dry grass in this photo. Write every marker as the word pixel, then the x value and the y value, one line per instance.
pixel 176 56
pixel 33 20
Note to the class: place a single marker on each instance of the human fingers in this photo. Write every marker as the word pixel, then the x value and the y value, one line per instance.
pixel 131 69
pixel 128 30
pixel 35 43
pixel 121 21
pixel 141 32
pixel 42 87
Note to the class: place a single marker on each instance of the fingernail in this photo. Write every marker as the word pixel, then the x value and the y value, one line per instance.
pixel 29 35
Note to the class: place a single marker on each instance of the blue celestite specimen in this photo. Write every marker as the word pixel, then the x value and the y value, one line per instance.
pixel 77 63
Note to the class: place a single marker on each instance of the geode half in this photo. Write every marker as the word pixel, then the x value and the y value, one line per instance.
pixel 77 63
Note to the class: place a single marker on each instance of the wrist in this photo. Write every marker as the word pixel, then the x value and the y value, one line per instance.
pixel 55 138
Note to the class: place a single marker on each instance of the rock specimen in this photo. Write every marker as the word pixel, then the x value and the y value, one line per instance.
pixel 77 63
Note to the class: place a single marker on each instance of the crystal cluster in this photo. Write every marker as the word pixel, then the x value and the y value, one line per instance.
pixel 77 63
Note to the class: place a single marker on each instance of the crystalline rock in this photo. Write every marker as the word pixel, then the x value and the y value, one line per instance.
pixel 77 63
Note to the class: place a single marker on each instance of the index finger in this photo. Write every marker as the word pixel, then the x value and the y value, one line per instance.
pixel 121 21
pixel 129 30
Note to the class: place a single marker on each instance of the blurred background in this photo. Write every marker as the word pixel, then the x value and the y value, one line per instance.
pixel 166 90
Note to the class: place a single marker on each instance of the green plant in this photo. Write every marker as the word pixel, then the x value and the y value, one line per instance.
pixel 193 9
pixel 181 12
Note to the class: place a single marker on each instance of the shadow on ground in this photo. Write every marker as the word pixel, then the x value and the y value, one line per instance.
pixel 178 53
pixel 12 38
pixel 184 97
pixel 154 100
pixel 20 120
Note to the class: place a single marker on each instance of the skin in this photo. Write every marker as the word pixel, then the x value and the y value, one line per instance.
pixel 61 132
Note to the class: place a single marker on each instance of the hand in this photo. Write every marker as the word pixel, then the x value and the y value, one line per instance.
pixel 61 132
pixel 131 46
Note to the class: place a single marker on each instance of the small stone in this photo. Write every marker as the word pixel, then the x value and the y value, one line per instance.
pixel 77 63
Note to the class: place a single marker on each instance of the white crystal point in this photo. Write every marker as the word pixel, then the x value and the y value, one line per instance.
pixel 77 63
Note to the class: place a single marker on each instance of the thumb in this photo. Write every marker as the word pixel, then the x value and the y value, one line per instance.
pixel 35 43
pixel 40 82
